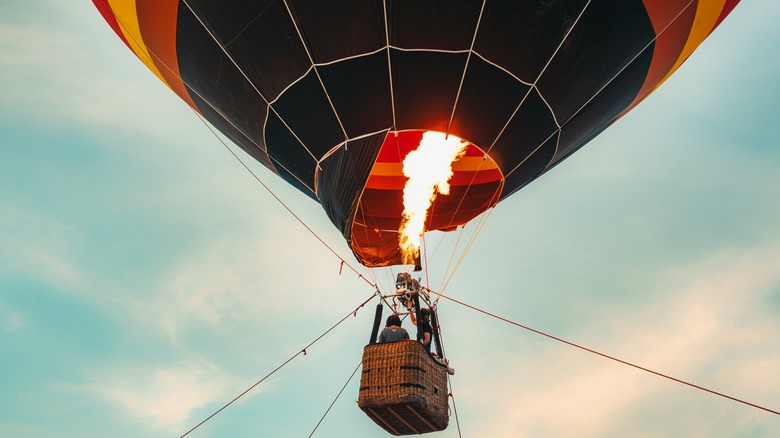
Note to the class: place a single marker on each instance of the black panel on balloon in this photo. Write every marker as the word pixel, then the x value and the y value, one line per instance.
pixel 227 19
pixel 531 168
pixel 337 29
pixel 444 25
pixel 531 126
pixel 287 176
pixel 239 102
pixel 219 90
pixel 306 110
pixel 521 36
pixel 604 108
pixel 342 179
pixel 607 37
pixel 618 30
pixel 288 152
pixel 199 57
pixel 360 91
pixel 252 146
pixel 487 100
pixel 261 39
pixel 424 86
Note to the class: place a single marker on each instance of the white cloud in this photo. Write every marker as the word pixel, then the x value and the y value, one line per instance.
pixel 166 398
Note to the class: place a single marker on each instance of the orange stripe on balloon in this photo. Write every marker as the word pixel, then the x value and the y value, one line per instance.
pixel 388 168
pixel 464 164
pixel 473 162
pixel 669 42
pixel 463 178
pixel 707 15
pixel 157 19
pixel 127 16
pixel 690 28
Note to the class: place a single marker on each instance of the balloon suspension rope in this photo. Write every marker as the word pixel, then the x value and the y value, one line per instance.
pixel 268 189
pixel 302 351
pixel 153 57
pixel 589 350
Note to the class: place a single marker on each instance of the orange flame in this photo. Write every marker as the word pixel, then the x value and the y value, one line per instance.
pixel 428 169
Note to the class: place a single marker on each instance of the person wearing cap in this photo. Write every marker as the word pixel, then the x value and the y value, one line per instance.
pixel 393 331
pixel 425 331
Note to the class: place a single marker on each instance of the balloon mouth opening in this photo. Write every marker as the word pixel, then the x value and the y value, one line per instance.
pixel 475 185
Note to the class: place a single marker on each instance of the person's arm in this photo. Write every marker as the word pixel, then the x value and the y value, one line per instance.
pixel 426 338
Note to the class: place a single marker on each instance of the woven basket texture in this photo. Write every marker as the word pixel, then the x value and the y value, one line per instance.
pixel 403 389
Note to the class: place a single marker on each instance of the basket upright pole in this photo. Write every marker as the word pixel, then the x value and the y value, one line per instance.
pixel 377 321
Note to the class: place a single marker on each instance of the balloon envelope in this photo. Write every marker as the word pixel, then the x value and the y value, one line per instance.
pixel 331 96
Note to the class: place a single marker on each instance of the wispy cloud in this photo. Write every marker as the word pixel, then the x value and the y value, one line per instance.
pixel 716 332
pixel 37 246
pixel 63 77
pixel 14 322
pixel 164 398
pixel 253 278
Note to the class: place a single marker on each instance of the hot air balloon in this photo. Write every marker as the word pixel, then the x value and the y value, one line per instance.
pixel 333 96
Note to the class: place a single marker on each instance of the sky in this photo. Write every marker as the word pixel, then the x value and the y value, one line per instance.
pixel 147 278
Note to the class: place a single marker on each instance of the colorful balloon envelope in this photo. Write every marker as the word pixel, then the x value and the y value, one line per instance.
pixel 332 95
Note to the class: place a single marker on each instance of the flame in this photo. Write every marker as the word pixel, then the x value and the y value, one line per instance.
pixel 428 169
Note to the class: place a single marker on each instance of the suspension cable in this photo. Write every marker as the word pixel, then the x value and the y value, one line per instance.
pixel 454 408
pixel 589 350
pixel 337 397
pixel 302 351
pixel 268 189
pixel 452 256
pixel 478 229
pixel 151 55
pixel 448 275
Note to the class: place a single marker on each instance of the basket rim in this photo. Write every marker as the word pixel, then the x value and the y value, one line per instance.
pixel 408 341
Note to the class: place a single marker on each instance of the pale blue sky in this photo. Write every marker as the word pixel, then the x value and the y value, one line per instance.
pixel 146 278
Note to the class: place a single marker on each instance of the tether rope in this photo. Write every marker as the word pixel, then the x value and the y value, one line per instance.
pixel 589 350
pixel 302 351
pixel 335 399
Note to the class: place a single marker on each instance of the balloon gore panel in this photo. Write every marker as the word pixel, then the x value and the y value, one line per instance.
pixel 332 95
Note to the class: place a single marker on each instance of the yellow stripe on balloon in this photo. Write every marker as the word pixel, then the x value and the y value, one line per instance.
pixel 707 14
pixel 126 15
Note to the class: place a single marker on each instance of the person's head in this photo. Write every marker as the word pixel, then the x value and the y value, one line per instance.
pixel 425 313
pixel 393 320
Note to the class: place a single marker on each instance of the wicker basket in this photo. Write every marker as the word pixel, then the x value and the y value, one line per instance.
pixel 403 389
